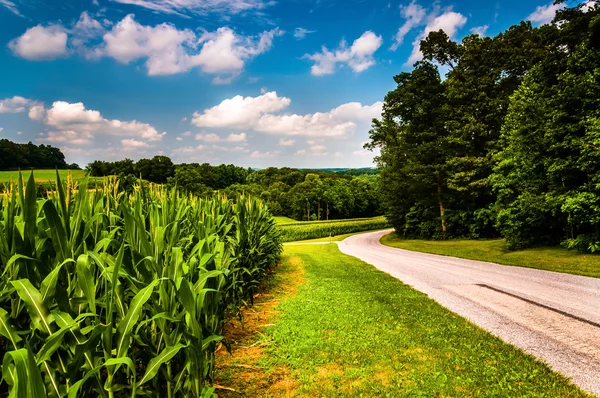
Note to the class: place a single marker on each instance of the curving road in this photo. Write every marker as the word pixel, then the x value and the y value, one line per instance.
pixel 553 316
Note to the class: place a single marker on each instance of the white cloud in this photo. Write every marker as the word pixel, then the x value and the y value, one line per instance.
pixel 179 139
pixel 267 154
pixel 449 22
pixel 208 137
pixel 69 118
pixel 164 49
pixel 241 137
pixel 224 52
pixel 203 7
pixel 261 114
pixel 480 30
pixel 86 29
pixel 168 50
pixel 19 132
pixel 358 57
pixel 41 43
pixel 37 112
pixel 587 5
pixel 133 143
pixel 211 137
pixel 300 33
pixel 414 14
pixel 68 136
pixel 1 128
pixel 16 104
pixel 240 112
pixel 11 7
pixel 288 142
pixel 544 14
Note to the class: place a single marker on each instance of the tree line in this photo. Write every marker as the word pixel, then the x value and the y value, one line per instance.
pixel 301 194
pixel 507 144
pixel 14 156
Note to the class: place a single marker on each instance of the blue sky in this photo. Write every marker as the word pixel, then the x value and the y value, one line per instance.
pixel 251 82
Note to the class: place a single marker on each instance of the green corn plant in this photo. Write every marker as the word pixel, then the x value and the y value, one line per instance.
pixel 323 229
pixel 104 293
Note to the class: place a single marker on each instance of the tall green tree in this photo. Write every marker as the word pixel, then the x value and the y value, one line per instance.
pixel 414 148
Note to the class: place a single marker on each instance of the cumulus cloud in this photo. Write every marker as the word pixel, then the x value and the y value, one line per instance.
pixel 41 43
pixel 262 114
pixel 68 136
pixel 358 57
pixel 72 121
pixel 544 14
pixel 202 7
pixel 16 104
pixel 240 112
pixel 133 143
pixel 413 14
pixel 164 49
pixel 480 30
pixel 300 33
pixel 450 22
pixel 168 50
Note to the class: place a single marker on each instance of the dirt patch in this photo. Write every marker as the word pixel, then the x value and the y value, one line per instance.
pixel 237 374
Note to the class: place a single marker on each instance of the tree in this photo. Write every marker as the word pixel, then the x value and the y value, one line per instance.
pixel 413 140
pixel 157 170
pixel 548 173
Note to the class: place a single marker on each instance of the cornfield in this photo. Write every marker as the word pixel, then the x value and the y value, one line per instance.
pixel 322 229
pixel 108 294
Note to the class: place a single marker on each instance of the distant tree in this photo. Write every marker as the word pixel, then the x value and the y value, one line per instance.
pixel 157 170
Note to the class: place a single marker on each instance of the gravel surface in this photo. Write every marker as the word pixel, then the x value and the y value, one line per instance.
pixel 553 316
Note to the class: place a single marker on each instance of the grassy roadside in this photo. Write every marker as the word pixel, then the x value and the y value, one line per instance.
pixel 556 259
pixel 349 330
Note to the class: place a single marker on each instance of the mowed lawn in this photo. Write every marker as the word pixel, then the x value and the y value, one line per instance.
pixel 350 330
pixel 41 175
pixel 284 220
pixel 556 259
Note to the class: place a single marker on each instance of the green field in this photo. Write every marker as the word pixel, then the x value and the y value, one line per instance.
pixel 352 331
pixel 324 229
pixel 556 259
pixel 109 294
pixel 41 175
pixel 284 220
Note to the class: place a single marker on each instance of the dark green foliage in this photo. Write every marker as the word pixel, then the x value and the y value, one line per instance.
pixel 548 173
pixel 509 138
pixel 15 156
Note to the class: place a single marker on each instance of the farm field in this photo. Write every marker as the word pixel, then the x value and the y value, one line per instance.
pixel 345 329
pixel 556 259
pixel 41 175
pixel 108 294
pixel 284 220
pixel 324 229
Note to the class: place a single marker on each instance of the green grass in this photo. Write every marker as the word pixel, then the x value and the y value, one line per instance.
pixel 354 331
pixel 41 175
pixel 284 220
pixel 556 259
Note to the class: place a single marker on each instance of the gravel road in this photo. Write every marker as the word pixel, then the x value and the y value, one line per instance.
pixel 553 316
